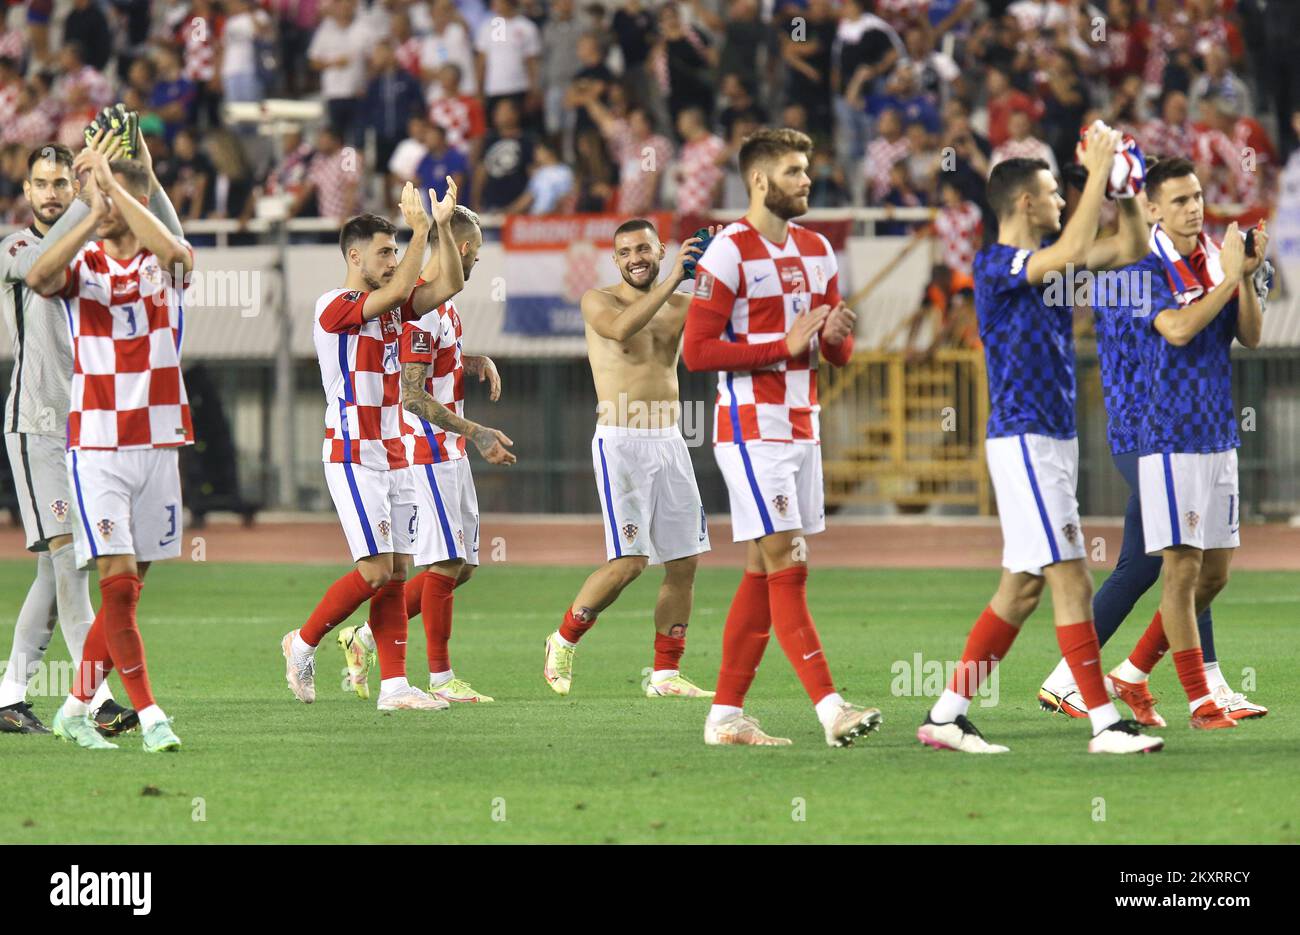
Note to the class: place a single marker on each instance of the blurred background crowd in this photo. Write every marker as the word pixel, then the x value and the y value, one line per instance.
pixel 563 106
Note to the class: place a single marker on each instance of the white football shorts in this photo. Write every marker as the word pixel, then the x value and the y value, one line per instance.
pixel 1035 478
pixel 1190 499
pixel 649 500
pixel 125 503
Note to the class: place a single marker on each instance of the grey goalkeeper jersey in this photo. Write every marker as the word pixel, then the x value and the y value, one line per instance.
pixel 42 346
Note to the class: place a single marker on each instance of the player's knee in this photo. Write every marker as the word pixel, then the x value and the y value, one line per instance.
pixel 466 572
pixel 374 576
pixel 628 569
pixel 681 571
pixel 1212 581
pixel 1182 568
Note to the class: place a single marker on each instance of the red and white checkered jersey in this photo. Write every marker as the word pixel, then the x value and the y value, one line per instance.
pixel 435 339
pixel 762 286
pixel 362 381
pixel 960 230
pixel 127 324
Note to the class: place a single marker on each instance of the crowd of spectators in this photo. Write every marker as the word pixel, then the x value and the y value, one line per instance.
pixel 632 105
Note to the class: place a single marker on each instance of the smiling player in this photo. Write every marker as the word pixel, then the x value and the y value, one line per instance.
pixel 649 500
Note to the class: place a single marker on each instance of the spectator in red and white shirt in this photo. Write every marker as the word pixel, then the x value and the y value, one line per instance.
pixel 334 174
pixel 460 114
pixel 700 164
pixel 11 85
pixel 1172 133
pixel 79 84
pixel 1022 144
pixel 890 147
pixel 641 154
pixel 128 414
pixel 959 225
pixel 28 125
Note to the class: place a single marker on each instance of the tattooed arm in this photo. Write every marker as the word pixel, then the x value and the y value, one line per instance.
pixel 491 444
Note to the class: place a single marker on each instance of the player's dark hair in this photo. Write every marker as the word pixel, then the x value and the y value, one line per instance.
pixel 362 228
pixel 1160 171
pixel 52 152
pixel 464 223
pixel 1009 180
pixel 134 176
pixel 768 145
pixel 634 225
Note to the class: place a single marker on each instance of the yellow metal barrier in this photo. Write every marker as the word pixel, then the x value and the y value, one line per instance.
pixel 907 433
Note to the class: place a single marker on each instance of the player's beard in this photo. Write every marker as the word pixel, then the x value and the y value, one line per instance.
pixel 113 229
pixel 783 205
pixel 48 216
pixel 651 277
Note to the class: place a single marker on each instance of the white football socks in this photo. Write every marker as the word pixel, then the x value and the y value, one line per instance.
pixel 720 712
pixel 663 675
pixel 74 707
pixel 1061 681
pixel 1127 672
pixel 1102 717
pixel 1214 678
pixel 102 693
pixel 949 707
pixel 150 716
pixel 392 685
pixel 300 647
pixel 438 679
pixel 828 709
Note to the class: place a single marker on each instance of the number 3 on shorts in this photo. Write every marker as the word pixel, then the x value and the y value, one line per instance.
pixel 171 526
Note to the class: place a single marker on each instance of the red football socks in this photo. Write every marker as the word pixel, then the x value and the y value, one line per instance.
pixel 787 591
pixel 1191 672
pixel 435 608
pixel 744 637
pixel 343 597
pixel 96 662
pixel 668 652
pixel 1151 647
pixel 388 625
pixel 415 596
pixel 989 642
pixel 572 628
pixel 1079 648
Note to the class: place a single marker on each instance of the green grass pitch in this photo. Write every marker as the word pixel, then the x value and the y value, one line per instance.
pixel 608 765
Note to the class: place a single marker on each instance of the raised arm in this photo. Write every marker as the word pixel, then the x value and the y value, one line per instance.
pixel 449 276
pixel 395 291
pixel 22 263
pixel 608 320
pixel 151 232
pixel 159 204
pixel 1128 244
pixel 46 276
pixel 1081 231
